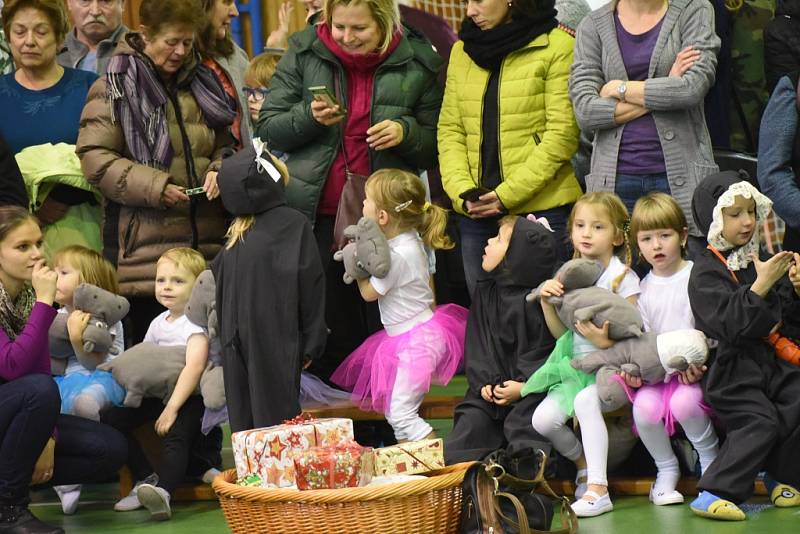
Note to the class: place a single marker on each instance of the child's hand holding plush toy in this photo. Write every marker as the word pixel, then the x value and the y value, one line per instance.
pixel 581 301
pixel 367 254
pixel 653 358
pixel 88 326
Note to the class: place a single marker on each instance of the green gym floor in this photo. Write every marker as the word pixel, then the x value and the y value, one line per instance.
pixel 631 514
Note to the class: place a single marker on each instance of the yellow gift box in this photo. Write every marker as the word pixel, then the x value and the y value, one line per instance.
pixel 409 458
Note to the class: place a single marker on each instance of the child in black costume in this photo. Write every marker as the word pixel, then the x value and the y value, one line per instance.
pixel 506 341
pixel 270 293
pixel 739 301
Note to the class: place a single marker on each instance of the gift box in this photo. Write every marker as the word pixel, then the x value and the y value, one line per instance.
pixel 249 480
pixel 409 458
pixel 342 466
pixel 267 452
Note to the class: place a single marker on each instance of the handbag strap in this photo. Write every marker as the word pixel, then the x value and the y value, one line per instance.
pixel 521 524
pixel 538 482
pixel 337 91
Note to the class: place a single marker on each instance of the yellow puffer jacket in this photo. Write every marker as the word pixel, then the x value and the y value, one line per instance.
pixel 538 132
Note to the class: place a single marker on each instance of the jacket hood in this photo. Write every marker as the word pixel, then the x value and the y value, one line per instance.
pixel 246 187
pixel 789 8
pixel 530 257
pixel 706 195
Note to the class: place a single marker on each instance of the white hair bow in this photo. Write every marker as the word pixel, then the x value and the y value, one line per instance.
pixel 265 163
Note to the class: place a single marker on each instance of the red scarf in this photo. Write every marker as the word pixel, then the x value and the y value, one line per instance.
pixel 360 70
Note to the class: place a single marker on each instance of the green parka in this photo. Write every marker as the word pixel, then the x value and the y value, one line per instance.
pixel 406 90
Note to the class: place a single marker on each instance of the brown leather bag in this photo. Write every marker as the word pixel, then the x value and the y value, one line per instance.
pixel 494 501
pixel 350 205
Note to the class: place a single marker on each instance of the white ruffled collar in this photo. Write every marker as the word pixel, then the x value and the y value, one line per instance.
pixel 739 258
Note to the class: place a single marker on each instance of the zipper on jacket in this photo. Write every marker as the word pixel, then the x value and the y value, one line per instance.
pixel 479 181
pixel 499 150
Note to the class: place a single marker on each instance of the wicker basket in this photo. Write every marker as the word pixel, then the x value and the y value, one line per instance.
pixel 429 506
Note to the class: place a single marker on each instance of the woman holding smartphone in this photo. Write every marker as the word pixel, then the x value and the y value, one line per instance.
pixel 506 130
pixel 354 94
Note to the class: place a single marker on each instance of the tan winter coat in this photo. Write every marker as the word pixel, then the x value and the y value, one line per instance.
pixel 137 227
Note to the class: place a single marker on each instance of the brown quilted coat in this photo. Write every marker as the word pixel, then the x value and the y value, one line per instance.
pixel 137 227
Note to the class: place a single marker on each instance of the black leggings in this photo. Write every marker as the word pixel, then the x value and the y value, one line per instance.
pixel 177 443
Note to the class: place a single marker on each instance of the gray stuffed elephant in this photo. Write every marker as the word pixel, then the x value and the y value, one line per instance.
pixel 582 301
pixel 367 254
pixel 651 357
pixel 201 309
pixel 147 370
pixel 105 310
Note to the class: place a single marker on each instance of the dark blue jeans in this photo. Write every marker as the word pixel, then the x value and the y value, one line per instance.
pixel 86 451
pixel 631 187
pixel 29 409
pixel 476 232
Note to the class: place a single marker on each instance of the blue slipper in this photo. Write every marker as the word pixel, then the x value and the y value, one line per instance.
pixel 709 505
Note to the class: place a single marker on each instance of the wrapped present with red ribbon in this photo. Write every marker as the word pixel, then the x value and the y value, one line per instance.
pixel 341 466
pixel 267 452
pixel 409 458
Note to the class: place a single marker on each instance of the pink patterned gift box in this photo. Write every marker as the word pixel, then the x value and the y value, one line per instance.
pixel 267 452
pixel 409 458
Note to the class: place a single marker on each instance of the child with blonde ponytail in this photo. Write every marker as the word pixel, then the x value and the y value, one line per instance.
pixel 393 369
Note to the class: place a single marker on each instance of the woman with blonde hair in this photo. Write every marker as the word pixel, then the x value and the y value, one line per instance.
pixel 383 76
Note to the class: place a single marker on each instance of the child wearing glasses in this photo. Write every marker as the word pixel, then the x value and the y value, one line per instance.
pixel 257 76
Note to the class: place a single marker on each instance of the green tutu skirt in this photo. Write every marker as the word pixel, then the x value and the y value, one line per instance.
pixel 558 378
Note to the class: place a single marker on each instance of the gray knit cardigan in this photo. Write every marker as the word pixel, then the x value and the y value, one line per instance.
pixel 676 104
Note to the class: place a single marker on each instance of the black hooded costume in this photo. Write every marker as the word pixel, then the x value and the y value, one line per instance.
pixel 753 393
pixel 270 298
pixel 506 339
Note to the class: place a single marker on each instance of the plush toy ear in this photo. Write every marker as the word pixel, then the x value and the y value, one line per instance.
pixel 678 362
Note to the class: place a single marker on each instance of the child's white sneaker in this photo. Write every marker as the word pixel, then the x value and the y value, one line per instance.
pixel 156 500
pixel 664 497
pixel 210 475
pixel 69 497
pixel 586 508
pixel 131 501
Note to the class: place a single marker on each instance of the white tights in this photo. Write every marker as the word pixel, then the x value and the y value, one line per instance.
pixel 549 420
pixel 685 407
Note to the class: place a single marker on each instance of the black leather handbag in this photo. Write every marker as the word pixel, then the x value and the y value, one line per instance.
pixel 496 502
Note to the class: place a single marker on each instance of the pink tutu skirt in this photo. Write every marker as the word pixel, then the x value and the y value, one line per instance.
pixel 666 390
pixel 431 352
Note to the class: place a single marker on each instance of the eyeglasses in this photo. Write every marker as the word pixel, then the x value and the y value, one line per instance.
pixel 258 93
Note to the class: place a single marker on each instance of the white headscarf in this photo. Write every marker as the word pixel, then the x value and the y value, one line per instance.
pixel 739 258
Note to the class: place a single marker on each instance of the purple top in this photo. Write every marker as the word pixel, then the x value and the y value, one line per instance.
pixel 29 353
pixel 640 148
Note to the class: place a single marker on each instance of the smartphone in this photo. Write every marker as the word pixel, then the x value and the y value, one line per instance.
pixel 474 194
pixel 194 191
pixel 323 94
